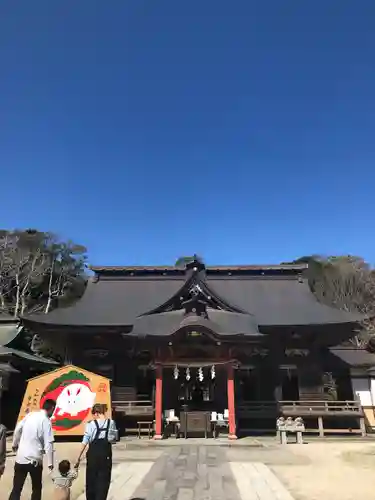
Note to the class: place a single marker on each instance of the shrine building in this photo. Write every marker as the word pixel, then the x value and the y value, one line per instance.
pixel 237 346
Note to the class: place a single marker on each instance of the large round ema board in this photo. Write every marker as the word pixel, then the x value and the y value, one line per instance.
pixel 75 391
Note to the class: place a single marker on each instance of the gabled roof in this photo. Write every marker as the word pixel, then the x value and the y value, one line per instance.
pixel 272 295
pixel 8 353
pixel 222 323
pixel 8 332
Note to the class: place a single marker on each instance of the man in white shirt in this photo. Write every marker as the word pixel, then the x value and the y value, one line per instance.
pixel 32 439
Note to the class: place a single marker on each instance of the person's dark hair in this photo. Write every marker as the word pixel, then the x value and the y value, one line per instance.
pixel 64 467
pixel 99 408
pixel 49 404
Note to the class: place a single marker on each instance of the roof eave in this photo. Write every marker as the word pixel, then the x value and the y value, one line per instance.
pixel 180 269
pixel 9 353
pixel 304 326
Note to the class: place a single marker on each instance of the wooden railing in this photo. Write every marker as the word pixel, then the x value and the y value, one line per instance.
pixel 262 409
pixel 320 411
pixel 299 408
pixel 323 408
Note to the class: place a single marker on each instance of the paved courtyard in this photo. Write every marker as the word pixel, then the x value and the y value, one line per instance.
pixel 196 473
pixel 201 470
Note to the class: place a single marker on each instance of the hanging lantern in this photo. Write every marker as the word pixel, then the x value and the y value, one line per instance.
pixel 176 373
pixel 213 374
pixel 200 375
pixel 188 374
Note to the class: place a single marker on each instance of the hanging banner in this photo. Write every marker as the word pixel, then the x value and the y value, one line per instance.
pixel 75 391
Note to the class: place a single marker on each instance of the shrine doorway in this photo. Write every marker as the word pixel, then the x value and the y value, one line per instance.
pixel 192 394
pixel 200 388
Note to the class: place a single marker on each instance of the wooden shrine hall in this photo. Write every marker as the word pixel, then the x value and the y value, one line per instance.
pixel 203 350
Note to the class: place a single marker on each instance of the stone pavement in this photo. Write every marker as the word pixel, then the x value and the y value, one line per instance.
pixel 199 472
pixel 255 481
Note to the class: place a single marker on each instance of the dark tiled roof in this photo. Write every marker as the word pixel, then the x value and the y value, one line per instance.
pixel 274 295
pixel 113 303
pixel 354 357
pixel 8 353
pixel 209 269
pixel 8 332
pixel 220 322
pixel 278 301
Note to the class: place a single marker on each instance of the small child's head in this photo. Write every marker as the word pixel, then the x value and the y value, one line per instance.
pixel 64 467
pixel 99 410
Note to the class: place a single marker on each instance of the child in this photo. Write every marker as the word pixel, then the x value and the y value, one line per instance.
pixel 63 481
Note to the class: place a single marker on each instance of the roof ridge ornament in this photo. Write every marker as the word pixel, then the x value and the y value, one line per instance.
pixel 195 290
pixel 196 264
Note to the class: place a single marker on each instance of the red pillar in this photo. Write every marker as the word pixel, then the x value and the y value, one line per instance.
pixel 231 404
pixel 158 402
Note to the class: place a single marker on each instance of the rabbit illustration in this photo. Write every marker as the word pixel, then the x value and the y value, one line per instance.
pixel 73 399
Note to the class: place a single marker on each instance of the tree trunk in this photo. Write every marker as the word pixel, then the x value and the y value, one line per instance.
pixel 23 304
pixel 18 296
pixel 23 296
pixel 26 287
pixel 49 301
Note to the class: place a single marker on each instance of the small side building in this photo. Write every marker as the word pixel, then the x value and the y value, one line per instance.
pixel 16 366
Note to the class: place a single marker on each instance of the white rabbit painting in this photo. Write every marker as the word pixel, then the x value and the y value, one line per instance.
pixel 74 399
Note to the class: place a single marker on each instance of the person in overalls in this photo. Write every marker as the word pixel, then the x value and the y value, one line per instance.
pixel 99 435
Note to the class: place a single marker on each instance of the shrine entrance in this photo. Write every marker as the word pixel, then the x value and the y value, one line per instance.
pixel 194 386
pixel 197 386
pixel 197 397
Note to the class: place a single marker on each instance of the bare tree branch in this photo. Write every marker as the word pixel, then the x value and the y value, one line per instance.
pixel 348 283
pixel 38 272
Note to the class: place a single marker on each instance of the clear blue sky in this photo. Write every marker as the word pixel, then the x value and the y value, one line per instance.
pixel 240 130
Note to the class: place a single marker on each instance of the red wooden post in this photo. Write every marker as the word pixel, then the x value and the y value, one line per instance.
pixel 231 405
pixel 158 402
